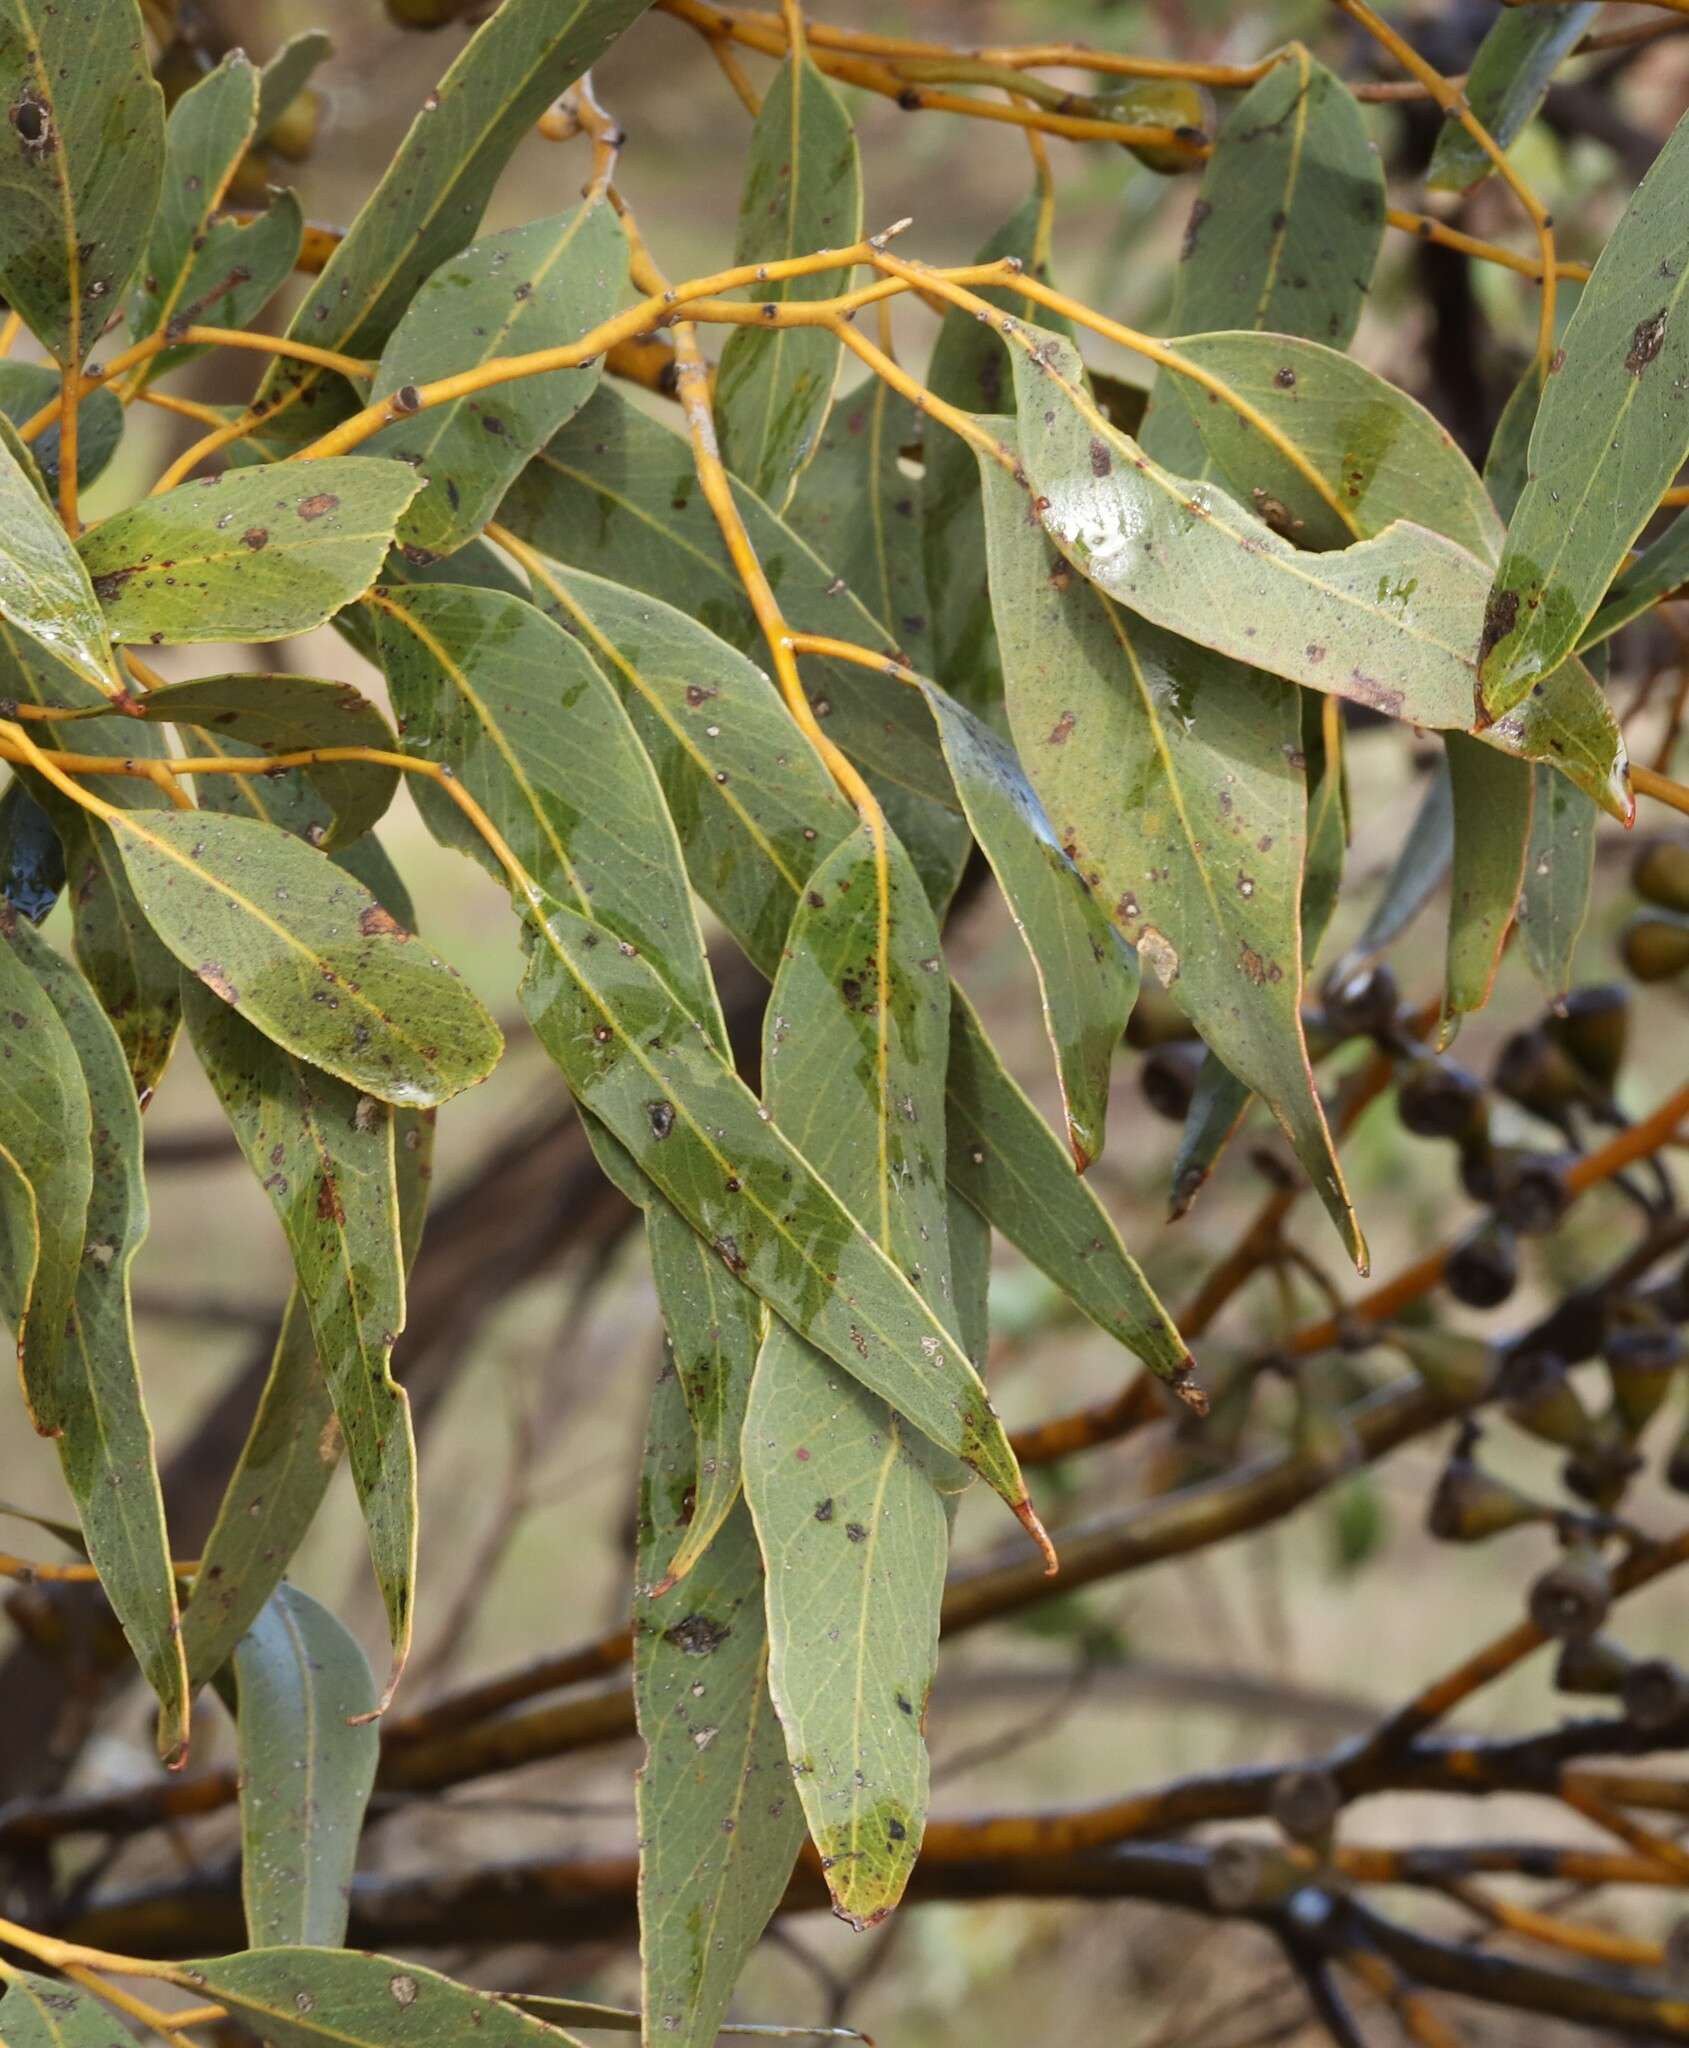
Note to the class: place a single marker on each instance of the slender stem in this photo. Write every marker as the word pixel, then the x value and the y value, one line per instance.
pixel 10 329
pixel 1429 229
pixel 1650 782
pixel 185 408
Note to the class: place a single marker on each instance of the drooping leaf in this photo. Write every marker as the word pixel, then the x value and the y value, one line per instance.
pixel 307 1762
pixel 526 721
pixel 859 510
pixel 304 1997
pixel 83 162
pixel 1662 567
pixel 429 203
pixel 324 1154
pixel 250 554
pixel 1506 465
pixel 286 76
pixel 642 1065
pixel 968 369
pixel 1505 86
pixel 847 1501
pixel 1174 779
pixel 757 809
pixel 44 587
pixel 1492 831
pixel 32 862
pixel 91 1397
pixel 615 493
pixel 51 2012
pixel 537 286
pixel 284 714
pixel 1611 434
pixel 1284 230
pixel 803 191
pixel 199 269
pixel 26 387
pixel 1087 974
pixel 1559 872
pixel 719 1821
pixel 1386 622
pixel 305 955
pixel 1421 862
pixel 1218 1102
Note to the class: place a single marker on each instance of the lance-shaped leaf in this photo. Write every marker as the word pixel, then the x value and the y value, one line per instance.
pixel 304 1997
pixel 1323 448
pixel 1419 867
pixel 26 387
pixel 308 1751
pixel 49 2012
pixel 1662 567
pixel 1507 461
pixel 1174 780
pixel 1611 433
pixel 198 268
pixel 308 957
pixel 615 493
pixel 719 1822
pixel 803 191
pixel 527 722
pixel 1509 76
pixel 251 554
pixel 1492 831
pixel 1559 872
pixel 1284 230
pixel 1087 975
pixel 968 370
pixel 643 1066
pixel 287 74
pixel 859 510
pixel 83 162
pixel 429 202
pixel 714 1329
pixel 533 287
pixel 44 587
pixel 32 862
pixel 758 810
pixel 324 1155
pixel 1387 622
pixel 96 1406
pixel 286 714
pixel 846 1500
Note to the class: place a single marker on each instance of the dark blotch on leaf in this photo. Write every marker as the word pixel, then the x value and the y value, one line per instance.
pixel 378 923
pixel 317 504
pixel 1101 461
pixel 824 1510
pixel 255 537
pixel 856 1532
pixel 697 1635
pixel 1500 616
pixel 661 1115
pixel 1646 342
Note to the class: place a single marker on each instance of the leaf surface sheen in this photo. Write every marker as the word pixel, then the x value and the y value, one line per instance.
pixel 45 590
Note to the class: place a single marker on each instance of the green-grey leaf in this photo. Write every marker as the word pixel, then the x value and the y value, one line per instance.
pixel 803 191
pixel 1610 435
pixel 1559 871
pixel 527 722
pixel 719 1822
pixel 1509 76
pixel 1420 865
pixel 305 955
pixel 287 74
pixel 537 286
pixel 324 1154
pixel 26 387
pixel 1492 830
pixel 49 2012
pixel 308 1752
pixel 1388 622
pixel 847 1502
pixel 250 554
pixel 285 714
pixel 96 1407
pixel 1662 567
pixel 429 203
pixel 1174 779
pixel 615 493
pixel 83 160
pixel 1507 464
pixel 858 510
pixel 1087 975
pixel 44 587
pixel 304 1997
pixel 644 1067
pixel 1218 1102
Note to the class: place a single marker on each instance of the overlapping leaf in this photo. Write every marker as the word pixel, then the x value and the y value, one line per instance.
pixel 537 286
pixel 307 1761
pixel 1610 435
pixel 250 554
pixel 1662 567
pixel 803 191
pixel 26 387
pixel 84 154
pixel 49 2012
pixel 32 866
pixel 1492 832
pixel 44 587
pixel 1421 862
pixel 1559 872
pixel 1505 86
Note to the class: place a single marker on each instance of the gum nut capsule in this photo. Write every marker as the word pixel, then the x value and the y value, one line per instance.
pixel 1305 1803
pixel 1241 1873
pixel 1660 874
pixel 1168 1077
pixel 1592 1027
pixel 1362 1002
pixel 1453 1365
pixel 1542 1401
pixel 1601 1472
pixel 1572 1597
pixel 1437 1099
pixel 1532 1192
pixel 1655 1693
pixel 1643 1357
pixel 1534 1072
pixel 1590 1665
pixel 1655 946
pixel 1483 1268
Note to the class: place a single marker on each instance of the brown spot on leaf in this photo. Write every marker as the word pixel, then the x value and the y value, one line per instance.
pixel 255 537
pixel 697 1635
pixel 375 922
pixel 1061 730
pixel 317 504
pixel 216 979
pixel 1500 616
pixel 330 1208
pixel 1646 342
pixel 1193 227
pixel 1101 461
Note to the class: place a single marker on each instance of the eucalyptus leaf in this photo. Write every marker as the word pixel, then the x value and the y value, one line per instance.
pixel 1661 568
pixel 1559 875
pixel 1421 862
pixel 32 864
pixel 44 587
pixel 1492 832
pixel 287 74
pixel 48 2012
pixel 26 387
pixel 1509 76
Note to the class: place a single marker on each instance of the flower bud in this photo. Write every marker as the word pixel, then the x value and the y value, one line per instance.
pixel 1437 1099
pixel 1532 1194
pixel 1591 1026
pixel 1470 1505
pixel 1656 946
pixel 1483 1268
pixel 1363 1003
pixel 1543 1402
pixel 1572 1597
pixel 1661 874
pixel 1643 1353
pixel 1534 1072
pixel 1458 1368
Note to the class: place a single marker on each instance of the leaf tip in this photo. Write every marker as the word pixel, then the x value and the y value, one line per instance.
pixel 1027 1515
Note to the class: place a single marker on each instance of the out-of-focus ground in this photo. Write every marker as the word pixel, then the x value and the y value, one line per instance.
pixel 1270 1647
